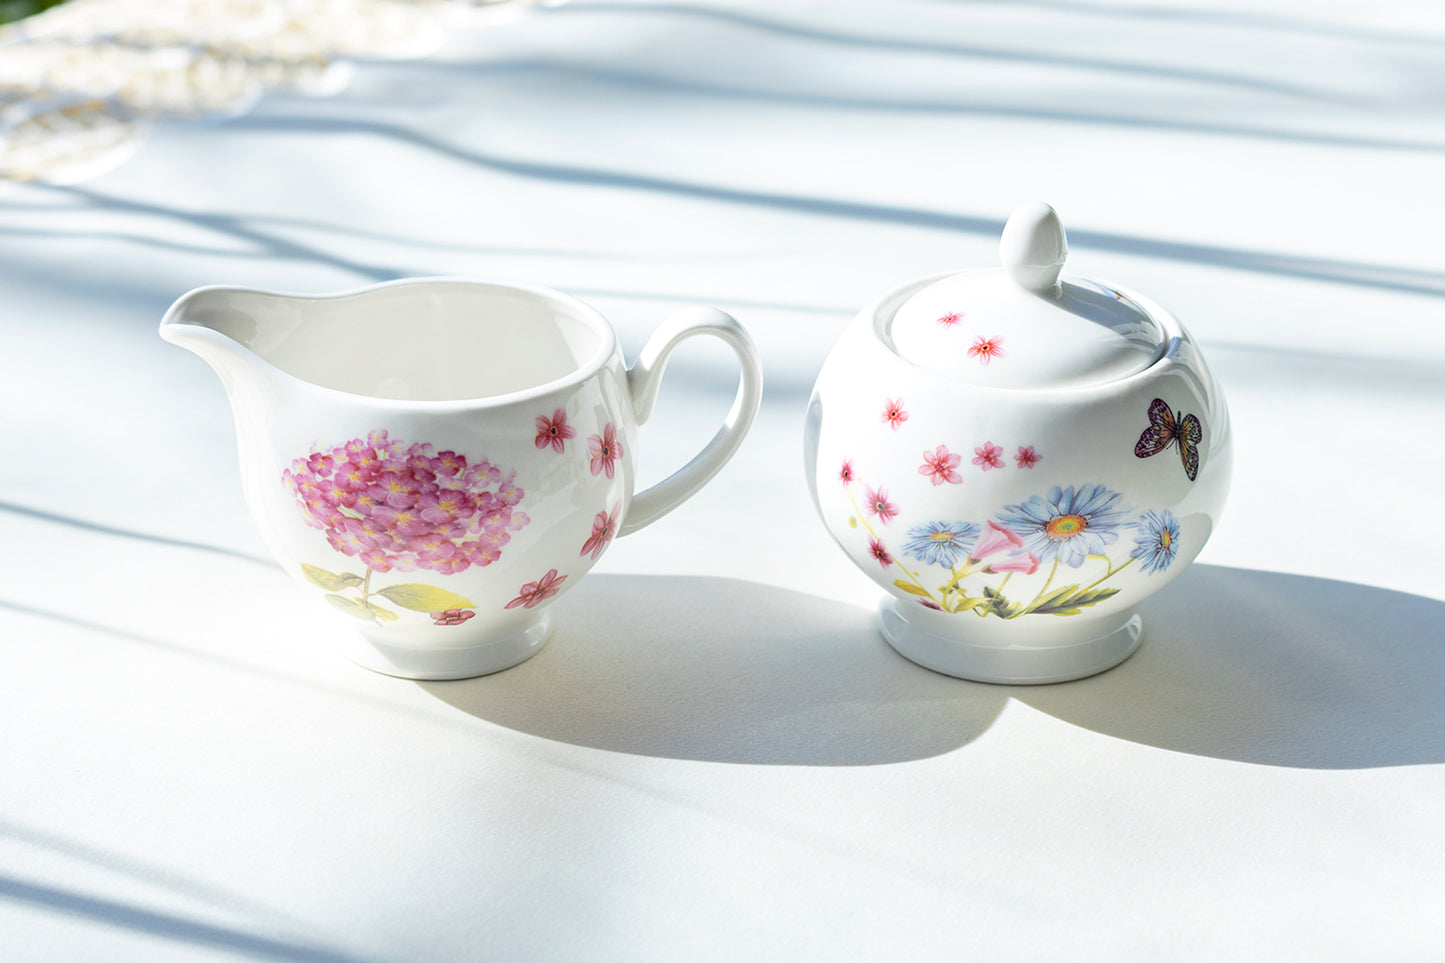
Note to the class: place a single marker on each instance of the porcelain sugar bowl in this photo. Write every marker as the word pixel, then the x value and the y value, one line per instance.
pixel 1019 459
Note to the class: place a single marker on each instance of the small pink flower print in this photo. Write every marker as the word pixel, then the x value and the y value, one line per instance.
pixel 1027 457
pixel 605 449
pixel 878 504
pixel 995 539
pixel 876 549
pixel 433 547
pixel 988 456
pixel 479 554
pixel 376 560
pixel 352 477
pixel 482 474
pixel 337 495
pixel 894 414
pixel 554 431
pixel 986 349
pixel 538 591
pixel 405 522
pixel 452 616
pixel 930 604
pixel 604 526
pixel 1026 564
pixel 445 506
pixel 509 494
pixel 395 490
pixel 950 319
pixel 939 466
pixel 845 474
pixel 450 464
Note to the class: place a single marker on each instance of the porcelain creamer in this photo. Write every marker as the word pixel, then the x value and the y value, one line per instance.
pixel 438 460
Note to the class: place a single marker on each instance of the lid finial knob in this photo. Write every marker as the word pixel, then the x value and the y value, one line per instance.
pixel 1033 247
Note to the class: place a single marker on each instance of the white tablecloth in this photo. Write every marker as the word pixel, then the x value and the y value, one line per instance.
pixel 717 756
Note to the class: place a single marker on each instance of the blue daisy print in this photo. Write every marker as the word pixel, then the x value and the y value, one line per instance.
pixel 1156 541
pixel 1069 525
pixel 940 543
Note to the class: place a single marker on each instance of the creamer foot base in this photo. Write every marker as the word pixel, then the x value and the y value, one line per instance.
pixel 418 662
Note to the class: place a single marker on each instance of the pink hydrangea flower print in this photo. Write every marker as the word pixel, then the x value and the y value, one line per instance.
pixel 402 507
pixel 939 466
pixel 894 414
pixel 879 505
pixel 605 450
pixel 452 616
pixel 876 549
pixel 1027 457
pixel 988 455
pixel 604 526
pixel 950 319
pixel 845 474
pixel 539 591
pixel 986 349
pixel 554 431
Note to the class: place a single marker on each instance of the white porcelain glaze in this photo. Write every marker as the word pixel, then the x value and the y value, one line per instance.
pixel 1016 523
pixel 440 459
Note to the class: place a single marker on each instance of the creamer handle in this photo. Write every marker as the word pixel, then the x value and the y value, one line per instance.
pixel 645 377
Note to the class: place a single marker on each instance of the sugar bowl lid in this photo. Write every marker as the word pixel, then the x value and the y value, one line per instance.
pixel 1020 326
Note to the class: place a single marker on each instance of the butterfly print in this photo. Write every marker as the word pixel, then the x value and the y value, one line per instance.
pixel 1166 429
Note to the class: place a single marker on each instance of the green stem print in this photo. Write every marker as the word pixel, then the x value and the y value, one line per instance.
pixel 1066 529
pixel 436 602
pixel 860 518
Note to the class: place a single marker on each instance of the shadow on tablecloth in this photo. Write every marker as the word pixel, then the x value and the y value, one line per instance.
pixel 1256 667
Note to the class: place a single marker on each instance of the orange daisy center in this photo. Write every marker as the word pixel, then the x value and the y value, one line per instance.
pixel 1065 526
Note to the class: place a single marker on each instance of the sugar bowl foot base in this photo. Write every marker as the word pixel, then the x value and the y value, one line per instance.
pixel 435 663
pixel 944 643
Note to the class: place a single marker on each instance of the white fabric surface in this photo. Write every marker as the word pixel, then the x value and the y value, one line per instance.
pixel 717 757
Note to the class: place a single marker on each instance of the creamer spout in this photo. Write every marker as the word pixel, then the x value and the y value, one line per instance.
pixel 215 323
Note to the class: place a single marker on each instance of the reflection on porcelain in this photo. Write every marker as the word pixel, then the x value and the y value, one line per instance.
pixel 996 449
pixel 441 459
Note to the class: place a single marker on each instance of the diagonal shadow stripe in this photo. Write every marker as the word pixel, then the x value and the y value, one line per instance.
pixel 163 925
pixel 130 533
pixel 150 873
pixel 1406 280
pixel 1235 19
pixel 590 73
pixel 934 48
pixel 235 226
